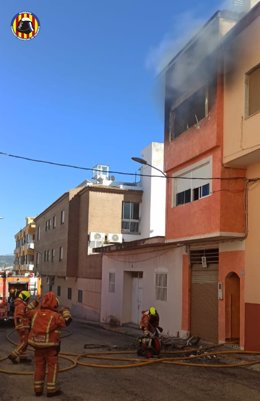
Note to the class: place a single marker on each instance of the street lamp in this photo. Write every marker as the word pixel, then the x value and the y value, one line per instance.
pixel 142 161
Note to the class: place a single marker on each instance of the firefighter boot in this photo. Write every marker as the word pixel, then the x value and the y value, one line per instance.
pixel 12 358
pixel 25 359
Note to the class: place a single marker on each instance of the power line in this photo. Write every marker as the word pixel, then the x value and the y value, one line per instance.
pixel 120 172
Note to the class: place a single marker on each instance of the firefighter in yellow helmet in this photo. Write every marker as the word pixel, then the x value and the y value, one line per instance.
pixel 150 343
pixel 22 324
pixel 149 321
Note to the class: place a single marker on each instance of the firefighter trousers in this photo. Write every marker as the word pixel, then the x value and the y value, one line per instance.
pixel 46 357
pixel 23 343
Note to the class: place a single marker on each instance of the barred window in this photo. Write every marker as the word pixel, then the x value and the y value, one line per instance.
pixel 161 286
pixel 111 282
pixel 80 296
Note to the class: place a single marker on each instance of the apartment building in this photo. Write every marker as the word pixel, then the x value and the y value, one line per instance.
pixel 24 249
pixel 98 213
pixel 207 190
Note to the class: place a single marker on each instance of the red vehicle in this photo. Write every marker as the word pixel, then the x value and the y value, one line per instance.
pixel 10 287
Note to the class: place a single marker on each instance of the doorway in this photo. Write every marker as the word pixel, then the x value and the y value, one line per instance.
pixel 232 307
pixel 137 296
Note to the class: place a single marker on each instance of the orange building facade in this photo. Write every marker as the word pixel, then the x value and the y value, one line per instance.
pixel 209 196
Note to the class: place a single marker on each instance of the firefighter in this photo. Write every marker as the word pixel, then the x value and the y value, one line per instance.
pixel 22 325
pixel 149 321
pixel 44 337
pixel 150 343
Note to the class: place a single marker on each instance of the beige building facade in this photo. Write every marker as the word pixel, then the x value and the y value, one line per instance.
pixel 66 238
pixel 242 151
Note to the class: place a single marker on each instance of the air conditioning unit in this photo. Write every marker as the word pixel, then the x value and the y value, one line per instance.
pixel 114 237
pixel 97 237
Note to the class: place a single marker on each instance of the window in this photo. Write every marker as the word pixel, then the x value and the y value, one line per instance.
pixel 54 222
pixel 161 286
pixel 38 255
pixel 61 253
pixel 38 233
pixel 69 293
pixel 130 217
pixel 191 111
pixel 58 290
pixel 52 255
pixel 194 184
pixel 62 217
pixel 253 91
pixel 47 225
pixel 80 296
pixel 111 282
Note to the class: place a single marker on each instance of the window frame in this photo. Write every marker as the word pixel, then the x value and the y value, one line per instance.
pixel 61 253
pixel 161 289
pixel 111 282
pixel 249 74
pixel 80 296
pixel 131 221
pixel 62 217
pixel 189 194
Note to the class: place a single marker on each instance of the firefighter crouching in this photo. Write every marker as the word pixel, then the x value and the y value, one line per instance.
pixel 22 325
pixel 149 321
pixel 44 337
pixel 150 343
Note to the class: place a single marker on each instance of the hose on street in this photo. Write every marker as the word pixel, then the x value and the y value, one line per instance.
pixel 189 357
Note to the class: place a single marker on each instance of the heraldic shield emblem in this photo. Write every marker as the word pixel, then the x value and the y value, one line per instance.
pixel 25 25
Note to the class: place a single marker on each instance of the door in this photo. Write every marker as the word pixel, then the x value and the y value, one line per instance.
pixel 137 296
pixel 232 307
pixel 204 302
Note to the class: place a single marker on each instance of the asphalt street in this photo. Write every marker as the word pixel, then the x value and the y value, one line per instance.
pixel 155 382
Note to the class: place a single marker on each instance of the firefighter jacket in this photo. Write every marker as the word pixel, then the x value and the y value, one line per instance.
pixel 149 322
pixel 21 319
pixel 46 323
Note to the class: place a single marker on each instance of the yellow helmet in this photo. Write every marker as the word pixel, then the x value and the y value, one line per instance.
pixel 24 295
pixel 152 310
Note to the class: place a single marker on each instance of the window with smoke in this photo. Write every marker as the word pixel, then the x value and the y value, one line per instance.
pixel 191 111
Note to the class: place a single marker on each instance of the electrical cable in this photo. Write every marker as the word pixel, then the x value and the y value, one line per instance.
pixel 122 172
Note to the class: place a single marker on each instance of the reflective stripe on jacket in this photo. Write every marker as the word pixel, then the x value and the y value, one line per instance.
pixel 45 326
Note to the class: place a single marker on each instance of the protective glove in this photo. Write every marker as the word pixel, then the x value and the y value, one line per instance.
pixel 66 316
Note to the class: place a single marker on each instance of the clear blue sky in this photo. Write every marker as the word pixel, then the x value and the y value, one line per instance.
pixel 84 91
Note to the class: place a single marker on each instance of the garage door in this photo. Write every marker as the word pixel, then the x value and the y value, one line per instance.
pixel 204 301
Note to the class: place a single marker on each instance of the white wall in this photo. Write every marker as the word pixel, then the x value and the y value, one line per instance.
pixel 154 192
pixel 89 309
pixel 118 304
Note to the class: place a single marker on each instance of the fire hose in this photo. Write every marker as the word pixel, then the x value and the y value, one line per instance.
pixel 171 357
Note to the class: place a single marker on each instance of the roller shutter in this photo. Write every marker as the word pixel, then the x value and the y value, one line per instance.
pixel 204 297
